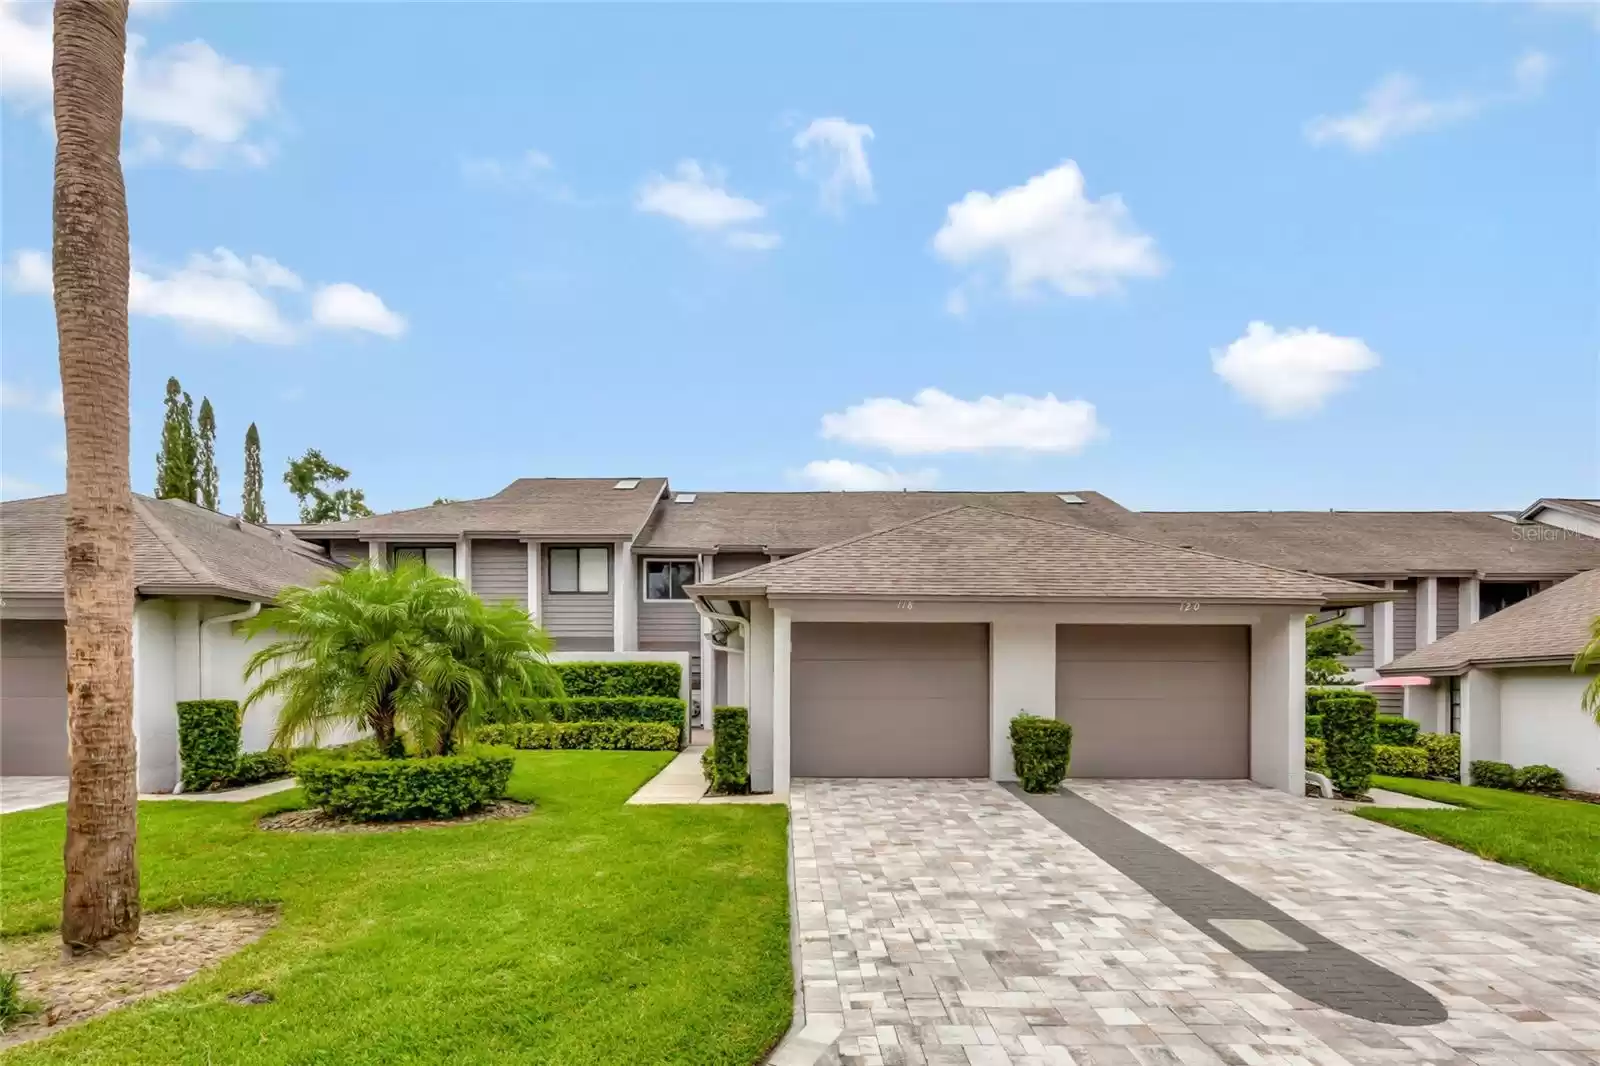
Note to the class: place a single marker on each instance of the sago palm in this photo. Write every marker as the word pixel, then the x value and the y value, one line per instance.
pixel 1586 660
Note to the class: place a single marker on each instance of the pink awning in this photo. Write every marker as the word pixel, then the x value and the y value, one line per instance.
pixel 1398 682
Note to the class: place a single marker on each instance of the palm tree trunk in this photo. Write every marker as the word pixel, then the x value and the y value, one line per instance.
pixel 100 906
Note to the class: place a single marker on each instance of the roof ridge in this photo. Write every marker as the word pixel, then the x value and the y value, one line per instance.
pixel 181 552
pixel 731 579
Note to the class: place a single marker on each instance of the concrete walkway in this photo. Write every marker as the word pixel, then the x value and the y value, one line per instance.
pixel 28 793
pixel 231 795
pixel 681 782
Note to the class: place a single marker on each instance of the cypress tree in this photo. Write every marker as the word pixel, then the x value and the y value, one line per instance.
pixel 206 458
pixel 175 462
pixel 255 510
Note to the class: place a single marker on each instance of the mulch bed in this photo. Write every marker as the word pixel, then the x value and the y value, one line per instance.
pixel 317 820
pixel 171 948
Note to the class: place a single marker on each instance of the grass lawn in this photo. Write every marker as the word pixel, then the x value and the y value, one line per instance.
pixel 1557 838
pixel 587 932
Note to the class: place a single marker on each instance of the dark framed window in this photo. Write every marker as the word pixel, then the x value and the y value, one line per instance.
pixel 1455 705
pixel 580 570
pixel 664 578
pixel 1496 596
pixel 440 558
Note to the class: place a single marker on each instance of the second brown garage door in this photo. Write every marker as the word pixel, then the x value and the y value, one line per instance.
pixel 872 699
pixel 1155 701
pixel 33 698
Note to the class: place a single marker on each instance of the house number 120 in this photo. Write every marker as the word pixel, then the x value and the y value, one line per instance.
pixel 1188 605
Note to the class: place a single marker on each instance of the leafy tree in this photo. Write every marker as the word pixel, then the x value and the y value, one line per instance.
pixel 206 455
pixel 89 236
pixel 1586 660
pixel 310 477
pixel 255 509
pixel 176 475
pixel 1325 643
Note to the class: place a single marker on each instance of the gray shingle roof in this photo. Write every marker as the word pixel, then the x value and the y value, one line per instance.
pixel 178 548
pixel 979 553
pixel 786 522
pixel 1552 626
pixel 530 507
pixel 1358 543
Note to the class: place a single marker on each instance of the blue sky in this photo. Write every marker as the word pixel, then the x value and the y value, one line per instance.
pixel 1241 256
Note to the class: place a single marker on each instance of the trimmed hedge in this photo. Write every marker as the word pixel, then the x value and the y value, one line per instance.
pixel 386 790
pixel 1316 697
pixel 1444 754
pixel 668 709
pixel 727 761
pixel 1348 728
pixel 208 743
pixel 582 736
pixel 1486 773
pixel 1396 731
pixel 1316 755
pixel 257 766
pixel 1314 725
pixel 1396 760
pixel 621 679
pixel 1539 778
pixel 1041 752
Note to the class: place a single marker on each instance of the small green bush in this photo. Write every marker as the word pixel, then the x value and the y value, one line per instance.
pixel 208 743
pixel 1316 697
pixel 1539 778
pixel 1486 773
pixel 1348 728
pixel 1041 752
pixel 1397 732
pixel 1444 754
pixel 621 679
pixel 386 790
pixel 730 766
pixel 670 709
pixel 1316 755
pixel 13 1008
pixel 1396 760
pixel 258 766
pixel 583 736
pixel 1313 725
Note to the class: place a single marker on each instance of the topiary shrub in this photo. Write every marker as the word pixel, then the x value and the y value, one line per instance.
pixel 1539 778
pixel 1316 755
pixel 668 709
pixel 1041 752
pixel 257 766
pixel 208 743
pixel 583 736
pixel 1486 773
pixel 386 790
pixel 1396 731
pixel 1395 760
pixel 730 740
pixel 1313 725
pixel 1444 754
pixel 621 679
pixel 1316 697
pixel 1348 727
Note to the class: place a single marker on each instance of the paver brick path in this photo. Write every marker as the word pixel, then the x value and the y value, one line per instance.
pixel 944 922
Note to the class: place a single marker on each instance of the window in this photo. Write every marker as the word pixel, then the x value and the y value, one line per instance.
pixel 1455 705
pixel 580 569
pixel 664 578
pixel 1355 616
pixel 1495 596
pixel 440 558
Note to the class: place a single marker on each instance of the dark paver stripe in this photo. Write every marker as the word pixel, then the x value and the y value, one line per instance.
pixel 1326 973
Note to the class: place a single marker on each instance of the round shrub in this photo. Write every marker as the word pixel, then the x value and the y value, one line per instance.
pixel 1444 754
pixel 1486 773
pixel 1347 727
pixel 384 790
pixel 1396 761
pixel 1397 732
pixel 1041 752
pixel 1539 778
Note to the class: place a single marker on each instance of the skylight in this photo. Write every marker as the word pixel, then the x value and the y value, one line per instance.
pixel 684 497
pixel 627 483
pixel 1069 497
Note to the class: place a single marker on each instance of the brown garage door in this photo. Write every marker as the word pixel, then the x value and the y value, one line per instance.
pixel 872 699
pixel 33 698
pixel 1155 701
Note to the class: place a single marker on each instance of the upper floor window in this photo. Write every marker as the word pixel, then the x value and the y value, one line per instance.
pixel 440 558
pixel 580 569
pixel 664 578
pixel 1496 596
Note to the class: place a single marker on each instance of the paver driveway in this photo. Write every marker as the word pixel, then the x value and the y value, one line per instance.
pixel 946 922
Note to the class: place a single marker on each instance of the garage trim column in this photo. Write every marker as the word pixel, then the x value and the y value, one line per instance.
pixel 1022 678
pixel 782 629
pixel 1480 719
pixel 1277 701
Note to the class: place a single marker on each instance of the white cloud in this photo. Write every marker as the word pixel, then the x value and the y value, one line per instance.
pixel 22 398
pixel 936 422
pixel 12 488
pixel 699 199
pixel 185 103
pixel 486 170
pixel 1292 372
pixel 29 271
pixel 1048 232
pixel 346 306
pixel 834 154
pixel 754 240
pixel 1397 107
pixel 842 474
pixel 224 295
pixel 1584 9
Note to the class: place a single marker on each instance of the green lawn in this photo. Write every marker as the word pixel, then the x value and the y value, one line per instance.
pixel 1557 838
pixel 588 932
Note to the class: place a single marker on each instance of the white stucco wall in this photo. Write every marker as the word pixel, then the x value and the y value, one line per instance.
pixel 1480 719
pixel 1278 701
pixel 155 696
pixel 1022 677
pixel 758 648
pixel 1542 721
pixel 225 653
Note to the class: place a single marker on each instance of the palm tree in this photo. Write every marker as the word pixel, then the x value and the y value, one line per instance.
pixel 100 904
pixel 1587 659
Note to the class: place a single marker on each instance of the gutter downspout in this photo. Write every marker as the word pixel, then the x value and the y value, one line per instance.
pixel 200 686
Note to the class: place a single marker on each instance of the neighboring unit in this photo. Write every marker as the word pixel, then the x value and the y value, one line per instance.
pixel 1507 684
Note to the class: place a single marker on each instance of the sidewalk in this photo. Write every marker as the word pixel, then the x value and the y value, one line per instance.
pixel 682 782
